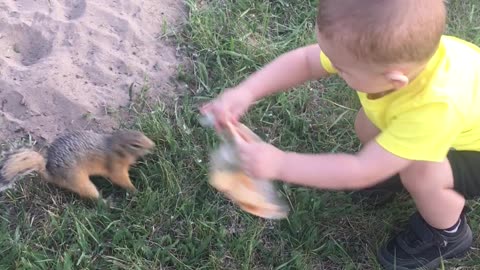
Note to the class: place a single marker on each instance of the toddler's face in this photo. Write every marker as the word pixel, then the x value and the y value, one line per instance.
pixel 363 77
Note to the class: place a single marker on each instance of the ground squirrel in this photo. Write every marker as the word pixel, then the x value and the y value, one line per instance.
pixel 72 158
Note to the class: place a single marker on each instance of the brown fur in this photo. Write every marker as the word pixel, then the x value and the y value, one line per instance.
pixel 109 156
pixel 22 162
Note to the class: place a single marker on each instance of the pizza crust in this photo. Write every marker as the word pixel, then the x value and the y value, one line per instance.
pixel 255 196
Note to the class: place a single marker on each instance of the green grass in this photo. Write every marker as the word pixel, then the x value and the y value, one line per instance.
pixel 177 221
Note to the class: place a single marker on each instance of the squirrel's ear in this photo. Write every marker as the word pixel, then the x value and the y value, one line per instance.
pixel 119 152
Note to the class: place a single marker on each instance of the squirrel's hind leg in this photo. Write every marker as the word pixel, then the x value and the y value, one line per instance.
pixel 80 183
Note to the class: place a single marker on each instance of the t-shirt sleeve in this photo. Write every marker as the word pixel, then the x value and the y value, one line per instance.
pixel 326 64
pixel 425 133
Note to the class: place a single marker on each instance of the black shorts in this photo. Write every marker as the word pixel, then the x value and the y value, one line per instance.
pixel 466 172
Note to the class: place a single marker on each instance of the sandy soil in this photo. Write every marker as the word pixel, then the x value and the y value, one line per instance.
pixel 68 64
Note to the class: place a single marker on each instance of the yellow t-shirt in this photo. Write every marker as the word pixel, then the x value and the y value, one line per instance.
pixel 437 111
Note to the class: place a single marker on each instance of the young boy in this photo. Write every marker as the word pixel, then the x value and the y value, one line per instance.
pixel 420 117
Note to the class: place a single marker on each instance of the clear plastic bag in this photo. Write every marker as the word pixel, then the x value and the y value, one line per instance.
pixel 255 196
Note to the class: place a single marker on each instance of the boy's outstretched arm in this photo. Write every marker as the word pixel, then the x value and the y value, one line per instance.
pixel 286 71
pixel 325 171
pixel 342 171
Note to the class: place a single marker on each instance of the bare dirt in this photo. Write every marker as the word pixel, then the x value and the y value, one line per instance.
pixel 71 64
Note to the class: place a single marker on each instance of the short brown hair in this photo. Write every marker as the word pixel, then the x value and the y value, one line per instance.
pixel 385 31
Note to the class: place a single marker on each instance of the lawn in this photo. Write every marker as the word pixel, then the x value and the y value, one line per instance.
pixel 177 221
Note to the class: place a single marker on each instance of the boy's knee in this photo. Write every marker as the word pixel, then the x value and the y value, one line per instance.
pixel 364 128
pixel 423 176
pixel 414 178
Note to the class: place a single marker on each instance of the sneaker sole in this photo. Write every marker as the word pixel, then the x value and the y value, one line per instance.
pixel 458 252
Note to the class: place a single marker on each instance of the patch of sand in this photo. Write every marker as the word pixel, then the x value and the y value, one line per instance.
pixel 65 64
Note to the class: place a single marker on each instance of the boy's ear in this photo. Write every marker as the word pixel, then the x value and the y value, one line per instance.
pixel 398 79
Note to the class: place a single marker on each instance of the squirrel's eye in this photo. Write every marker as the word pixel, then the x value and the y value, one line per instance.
pixel 134 145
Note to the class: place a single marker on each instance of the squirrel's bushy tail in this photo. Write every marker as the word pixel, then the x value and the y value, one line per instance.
pixel 20 163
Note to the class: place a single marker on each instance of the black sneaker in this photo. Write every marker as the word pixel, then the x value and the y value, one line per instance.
pixel 421 246
pixel 379 194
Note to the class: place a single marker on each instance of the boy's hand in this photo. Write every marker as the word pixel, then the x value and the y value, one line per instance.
pixel 229 106
pixel 259 159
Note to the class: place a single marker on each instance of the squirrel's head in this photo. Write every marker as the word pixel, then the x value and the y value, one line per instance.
pixel 132 143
